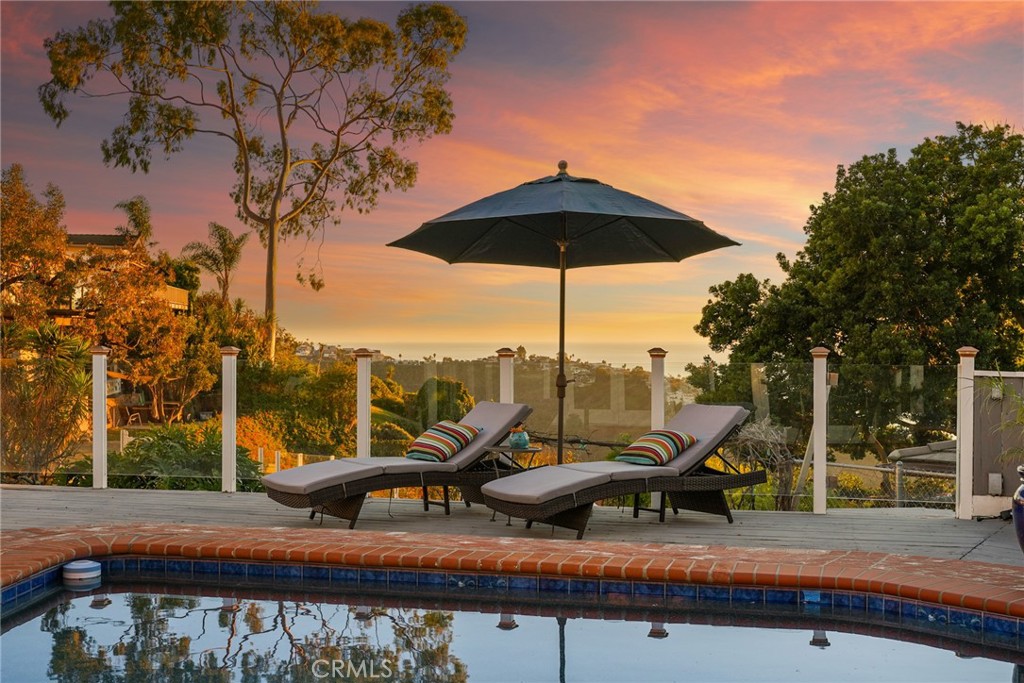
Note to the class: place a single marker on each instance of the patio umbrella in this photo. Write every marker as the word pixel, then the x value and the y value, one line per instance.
pixel 562 221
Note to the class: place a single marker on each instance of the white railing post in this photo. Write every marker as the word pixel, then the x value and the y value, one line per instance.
pixel 99 416
pixel 363 357
pixel 965 433
pixel 229 418
pixel 657 387
pixel 820 426
pixel 657 401
pixel 506 378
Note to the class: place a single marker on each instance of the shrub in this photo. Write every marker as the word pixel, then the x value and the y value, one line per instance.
pixel 45 400
pixel 389 439
pixel 171 457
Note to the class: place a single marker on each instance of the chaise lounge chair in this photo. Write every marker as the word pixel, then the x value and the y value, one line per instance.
pixel 564 495
pixel 339 487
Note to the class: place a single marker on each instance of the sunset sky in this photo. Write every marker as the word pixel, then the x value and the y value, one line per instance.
pixel 734 113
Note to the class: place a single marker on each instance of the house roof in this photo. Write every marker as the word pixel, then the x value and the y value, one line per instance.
pixel 98 240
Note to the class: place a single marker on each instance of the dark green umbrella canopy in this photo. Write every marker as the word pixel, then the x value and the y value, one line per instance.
pixel 601 225
pixel 562 221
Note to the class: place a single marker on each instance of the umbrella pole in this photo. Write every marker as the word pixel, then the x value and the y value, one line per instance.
pixel 560 381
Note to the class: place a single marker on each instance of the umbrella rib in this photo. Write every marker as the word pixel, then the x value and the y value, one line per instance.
pixel 640 232
pixel 472 244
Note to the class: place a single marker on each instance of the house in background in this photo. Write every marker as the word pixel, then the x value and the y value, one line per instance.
pixel 176 297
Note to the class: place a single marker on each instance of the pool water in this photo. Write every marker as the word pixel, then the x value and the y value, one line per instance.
pixel 121 633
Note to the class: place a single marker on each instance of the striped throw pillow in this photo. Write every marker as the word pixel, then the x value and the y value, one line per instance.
pixel 656 447
pixel 442 441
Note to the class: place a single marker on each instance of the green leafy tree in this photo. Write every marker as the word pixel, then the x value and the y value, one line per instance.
pixel 268 78
pixel 219 257
pixel 904 263
pixel 442 398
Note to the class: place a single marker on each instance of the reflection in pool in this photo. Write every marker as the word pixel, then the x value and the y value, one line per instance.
pixel 123 632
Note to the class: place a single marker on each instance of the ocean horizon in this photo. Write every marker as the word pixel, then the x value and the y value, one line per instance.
pixel 616 355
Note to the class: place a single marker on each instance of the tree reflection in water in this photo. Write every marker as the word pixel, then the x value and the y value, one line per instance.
pixel 139 637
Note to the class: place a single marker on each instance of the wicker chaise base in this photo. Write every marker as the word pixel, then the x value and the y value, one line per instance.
pixel 345 501
pixel 702 491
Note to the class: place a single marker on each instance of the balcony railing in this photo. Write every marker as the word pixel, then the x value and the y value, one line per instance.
pixel 824 432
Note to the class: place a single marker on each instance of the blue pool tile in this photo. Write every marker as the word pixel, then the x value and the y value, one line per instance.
pixel 39 581
pixel 401 576
pixel 152 565
pixel 683 591
pixel 342 575
pixel 373 576
pixel 492 582
pixel 648 590
pixel 1000 626
pixel 238 569
pixel 24 587
pixel 131 565
pixel 875 604
pixel 461 581
pixel 205 568
pixel 584 587
pixel 548 585
pixel 714 593
pixel 892 610
pixel 114 565
pixel 616 587
pixel 820 598
pixel 923 615
pixel 9 594
pixel 259 572
pixel 845 601
pixel 529 584
pixel 181 569
pixel 434 579
pixel 748 596
pixel 966 621
pixel 781 597
pixel 287 573
pixel 316 572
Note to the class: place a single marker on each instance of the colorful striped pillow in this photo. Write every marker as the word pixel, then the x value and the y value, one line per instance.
pixel 656 447
pixel 442 441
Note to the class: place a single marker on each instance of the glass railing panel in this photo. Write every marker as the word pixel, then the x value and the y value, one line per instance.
pixel 881 415
pixel 45 419
pixel 605 406
pixel 774 437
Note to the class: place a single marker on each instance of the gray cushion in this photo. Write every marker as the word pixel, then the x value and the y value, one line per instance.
pixel 710 424
pixel 320 475
pixel 404 465
pixel 620 471
pixel 543 484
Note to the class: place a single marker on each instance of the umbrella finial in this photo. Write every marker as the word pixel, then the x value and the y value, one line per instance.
pixel 563 167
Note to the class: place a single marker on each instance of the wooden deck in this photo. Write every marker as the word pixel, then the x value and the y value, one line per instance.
pixel 928 533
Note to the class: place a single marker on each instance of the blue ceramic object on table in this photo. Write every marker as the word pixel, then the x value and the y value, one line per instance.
pixel 519 440
pixel 1018 509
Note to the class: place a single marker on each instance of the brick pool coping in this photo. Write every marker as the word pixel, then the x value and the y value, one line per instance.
pixel 992 588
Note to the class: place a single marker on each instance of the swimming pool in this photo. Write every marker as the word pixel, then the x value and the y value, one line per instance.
pixel 269 623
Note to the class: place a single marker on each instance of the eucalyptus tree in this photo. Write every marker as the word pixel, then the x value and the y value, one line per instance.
pixel 314 110
pixel 220 256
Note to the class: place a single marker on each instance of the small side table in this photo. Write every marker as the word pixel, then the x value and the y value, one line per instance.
pixel 512 455
pixel 511 458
